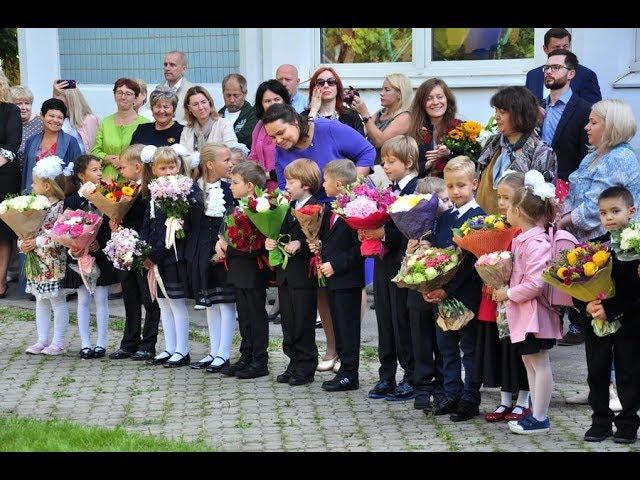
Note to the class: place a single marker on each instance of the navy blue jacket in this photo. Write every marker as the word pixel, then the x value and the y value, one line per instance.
pixel 466 285
pixel 67 149
pixel 584 84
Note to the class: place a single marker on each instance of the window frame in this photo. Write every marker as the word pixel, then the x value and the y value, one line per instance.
pixel 635 63
pixel 457 73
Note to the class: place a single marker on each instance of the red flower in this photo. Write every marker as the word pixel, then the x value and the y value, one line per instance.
pixel 252 203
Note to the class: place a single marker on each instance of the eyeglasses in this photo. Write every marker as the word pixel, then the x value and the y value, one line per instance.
pixel 332 82
pixel 553 68
pixel 120 93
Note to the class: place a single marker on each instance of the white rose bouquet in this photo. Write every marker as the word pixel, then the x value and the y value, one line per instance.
pixel 626 242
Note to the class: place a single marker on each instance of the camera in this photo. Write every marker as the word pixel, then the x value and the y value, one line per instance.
pixel 350 95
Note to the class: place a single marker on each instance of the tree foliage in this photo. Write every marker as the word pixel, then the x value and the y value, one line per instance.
pixel 9 54
pixel 366 45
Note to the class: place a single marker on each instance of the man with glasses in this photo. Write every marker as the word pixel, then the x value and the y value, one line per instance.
pixel 175 67
pixel 287 75
pixel 237 110
pixel 585 82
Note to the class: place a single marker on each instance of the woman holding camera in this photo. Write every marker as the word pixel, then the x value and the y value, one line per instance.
pixel 326 99
pixel 81 123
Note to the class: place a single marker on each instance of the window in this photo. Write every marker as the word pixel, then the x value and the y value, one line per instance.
pixel 102 55
pixel 464 57
pixel 635 65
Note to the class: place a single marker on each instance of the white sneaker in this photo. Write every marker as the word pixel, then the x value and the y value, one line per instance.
pixel 579 399
pixel 614 401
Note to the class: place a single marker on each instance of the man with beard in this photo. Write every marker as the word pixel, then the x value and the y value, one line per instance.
pixel 237 110
pixel 566 115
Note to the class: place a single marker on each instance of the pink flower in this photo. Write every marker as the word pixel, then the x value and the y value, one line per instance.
pixel 360 207
pixel 61 229
pixel 76 231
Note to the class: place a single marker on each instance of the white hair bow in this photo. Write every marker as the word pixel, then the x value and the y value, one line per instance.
pixel 146 155
pixel 48 167
pixel 194 160
pixel 180 149
pixel 540 188
pixel 68 170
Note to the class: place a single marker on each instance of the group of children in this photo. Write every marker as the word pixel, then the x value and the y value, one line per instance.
pixel 431 359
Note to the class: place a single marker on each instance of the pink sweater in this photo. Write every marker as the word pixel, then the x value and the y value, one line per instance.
pixel 263 150
pixel 525 313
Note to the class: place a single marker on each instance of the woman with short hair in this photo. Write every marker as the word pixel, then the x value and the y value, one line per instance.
pixel 31 121
pixel 165 130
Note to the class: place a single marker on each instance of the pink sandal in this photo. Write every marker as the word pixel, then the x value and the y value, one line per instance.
pixel 53 349
pixel 36 348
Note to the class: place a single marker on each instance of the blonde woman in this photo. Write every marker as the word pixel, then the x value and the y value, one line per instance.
pixel 80 123
pixel 393 118
pixel 31 122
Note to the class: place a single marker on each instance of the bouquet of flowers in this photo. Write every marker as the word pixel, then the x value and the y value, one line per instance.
pixel 267 210
pixel 171 194
pixel 429 268
pixel 626 242
pixel 24 215
pixel 414 215
pixel 114 199
pixel 126 250
pixel 469 138
pixel 484 234
pixel 310 219
pixel 495 270
pixel 240 233
pixel 453 315
pixel 77 229
pixel 364 207
pixel 584 272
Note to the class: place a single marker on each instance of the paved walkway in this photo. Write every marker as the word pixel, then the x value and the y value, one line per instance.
pixel 261 415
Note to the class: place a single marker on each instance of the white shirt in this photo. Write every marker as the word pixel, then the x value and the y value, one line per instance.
pixel 215 200
pixel 176 87
pixel 465 208
pixel 231 116
pixel 301 203
pixel 405 180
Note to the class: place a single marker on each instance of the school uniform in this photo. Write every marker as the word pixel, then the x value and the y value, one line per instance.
pixel 340 247
pixel 135 294
pixel 466 286
pixel 208 281
pixel 248 273
pixel 392 315
pixel 622 348
pixel 297 291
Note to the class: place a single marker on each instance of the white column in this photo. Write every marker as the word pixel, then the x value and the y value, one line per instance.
pixel 251 59
pixel 39 61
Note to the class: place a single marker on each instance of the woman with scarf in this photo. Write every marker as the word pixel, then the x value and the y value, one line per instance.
pixel 516 147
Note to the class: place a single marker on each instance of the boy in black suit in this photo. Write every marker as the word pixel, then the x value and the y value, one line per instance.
pixel 400 164
pixel 248 273
pixel 462 399
pixel 617 209
pixel 297 290
pixel 344 269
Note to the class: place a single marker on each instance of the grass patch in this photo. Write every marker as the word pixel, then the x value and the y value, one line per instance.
pixel 275 344
pixel 30 435
pixel 368 353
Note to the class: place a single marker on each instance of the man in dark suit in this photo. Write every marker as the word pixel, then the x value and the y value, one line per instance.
pixel 566 115
pixel 584 84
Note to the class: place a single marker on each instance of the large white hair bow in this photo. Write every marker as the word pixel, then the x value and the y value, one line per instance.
pixel 540 188
pixel 68 170
pixel 146 155
pixel 194 160
pixel 49 167
pixel 180 149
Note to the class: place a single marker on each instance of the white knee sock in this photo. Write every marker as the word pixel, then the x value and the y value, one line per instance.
pixel 523 398
pixel 228 315
pixel 101 297
pixel 214 321
pixel 181 319
pixel 43 317
pixel 505 398
pixel 60 319
pixel 543 384
pixel 84 313
pixel 168 325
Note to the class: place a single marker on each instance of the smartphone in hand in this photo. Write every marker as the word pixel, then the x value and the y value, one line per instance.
pixel 70 84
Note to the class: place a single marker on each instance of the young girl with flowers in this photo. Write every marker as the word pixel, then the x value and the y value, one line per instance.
pixel 533 326
pixel 87 172
pixel 48 180
pixel 166 262
pixel 209 281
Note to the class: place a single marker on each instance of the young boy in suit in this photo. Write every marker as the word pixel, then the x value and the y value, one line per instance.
pixel 462 399
pixel 343 266
pixel 617 209
pixel 297 290
pixel 250 280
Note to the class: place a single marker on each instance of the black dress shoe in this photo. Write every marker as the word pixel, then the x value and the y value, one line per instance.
pixel 86 353
pixel 296 381
pixel 119 354
pixel 465 411
pixel 597 433
pixel 218 368
pixel 338 384
pixel 445 407
pixel 382 389
pixel 99 352
pixel 182 362
pixel 625 436
pixel 161 360
pixel 231 369
pixel 141 355
pixel 422 401
pixel 285 376
pixel 403 392
pixel 202 364
pixel 253 371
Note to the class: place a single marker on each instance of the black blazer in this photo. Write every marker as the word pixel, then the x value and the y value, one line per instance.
pixel 570 138
pixel 584 84
pixel 134 217
pixel 341 248
pixel 297 272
